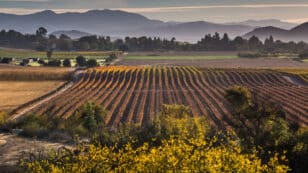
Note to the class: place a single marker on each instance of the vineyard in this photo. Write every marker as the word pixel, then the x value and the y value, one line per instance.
pixel 136 93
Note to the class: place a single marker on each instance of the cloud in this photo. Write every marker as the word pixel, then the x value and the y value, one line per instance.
pixel 176 9
pixel 29 11
pixel 297 20
pixel 24 0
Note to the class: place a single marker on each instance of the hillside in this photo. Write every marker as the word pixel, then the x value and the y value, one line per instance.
pixel 298 33
pixel 265 23
pixel 116 24
pixel 192 31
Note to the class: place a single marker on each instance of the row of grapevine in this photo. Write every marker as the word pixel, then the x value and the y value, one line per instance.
pixel 136 93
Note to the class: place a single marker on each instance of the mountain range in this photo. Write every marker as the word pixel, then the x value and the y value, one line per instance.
pixel 119 24
pixel 298 33
pixel 265 23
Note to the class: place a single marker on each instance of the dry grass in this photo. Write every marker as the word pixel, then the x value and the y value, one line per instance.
pixel 34 73
pixel 16 93
pixel 244 63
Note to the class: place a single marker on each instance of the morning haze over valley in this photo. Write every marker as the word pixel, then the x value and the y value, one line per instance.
pixel 153 86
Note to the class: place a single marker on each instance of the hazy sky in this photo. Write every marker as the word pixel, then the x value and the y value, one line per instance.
pixel 175 10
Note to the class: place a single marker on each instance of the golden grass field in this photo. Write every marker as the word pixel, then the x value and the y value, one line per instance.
pixel 19 85
pixel 16 93
pixel 34 73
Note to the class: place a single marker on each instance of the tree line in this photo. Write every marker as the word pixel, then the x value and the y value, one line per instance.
pixel 43 42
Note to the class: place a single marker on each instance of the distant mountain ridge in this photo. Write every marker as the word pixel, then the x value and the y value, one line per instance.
pixel 116 23
pixel 94 21
pixel 298 33
pixel 119 24
pixel 265 23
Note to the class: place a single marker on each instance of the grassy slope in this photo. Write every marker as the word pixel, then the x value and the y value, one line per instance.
pixel 178 57
pixel 34 73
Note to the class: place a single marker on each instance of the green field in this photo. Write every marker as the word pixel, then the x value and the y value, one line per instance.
pixel 179 57
pixel 21 54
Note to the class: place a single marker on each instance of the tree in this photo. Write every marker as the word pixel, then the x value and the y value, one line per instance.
pixel 269 45
pixel 239 96
pixel 41 62
pixel 81 61
pixel 92 63
pixel 225 42
pixel 91 116
pixel 49 53
pixel 6 60
pixel 52 37
pixel 65 44
pixel 67 63
pixel 239 43
pixel 24 62
pixel 54 63
pixel 254 43
pixel 64 37
pixel 41 32
pixel 257 123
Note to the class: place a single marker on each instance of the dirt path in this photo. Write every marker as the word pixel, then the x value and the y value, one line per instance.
pixel 13 148
pixel 27 109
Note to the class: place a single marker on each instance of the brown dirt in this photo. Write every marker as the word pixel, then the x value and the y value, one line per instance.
pixel 259 63
pixel 13 148
pixel 201 89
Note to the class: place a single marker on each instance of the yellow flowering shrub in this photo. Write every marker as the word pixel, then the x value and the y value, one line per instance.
pixel 3 117
pixel 174 155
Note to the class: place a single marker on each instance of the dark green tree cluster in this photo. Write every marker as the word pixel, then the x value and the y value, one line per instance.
pixel 40 41
pixel 83 62
pixel 263 126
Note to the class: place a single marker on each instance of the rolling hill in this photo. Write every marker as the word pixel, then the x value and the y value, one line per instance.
pixel 265 23
pixel 119 24
pixel 298 33
pixel 116 24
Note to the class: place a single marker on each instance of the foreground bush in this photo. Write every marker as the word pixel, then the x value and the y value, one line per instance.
pixel 174 155
pixel 175 141
pixel 3 118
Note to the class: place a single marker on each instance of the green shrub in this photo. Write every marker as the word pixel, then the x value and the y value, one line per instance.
pixel 54 63
pixel 67 63
pixel 92 63
pixel 81 61
pixel 3 118
pixel 42 62
pixel 239 96
pixel 34 126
